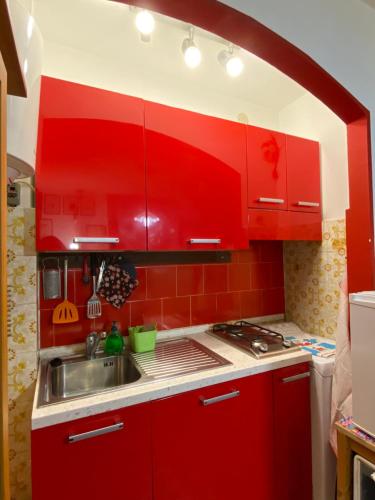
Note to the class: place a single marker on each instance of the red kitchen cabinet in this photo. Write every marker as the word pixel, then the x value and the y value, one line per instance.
pixel 207 447
pixel 90 172
pixel 292 430
pixel 267 169
pixel 196 181
pixel 284 225
pixel 112 466
pixel 303 174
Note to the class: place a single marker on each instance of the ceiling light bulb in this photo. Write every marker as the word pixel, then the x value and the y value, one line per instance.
pixel 192 55
pixel 234 66
pixel 145 22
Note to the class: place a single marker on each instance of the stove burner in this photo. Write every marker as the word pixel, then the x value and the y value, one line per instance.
pixel 256 339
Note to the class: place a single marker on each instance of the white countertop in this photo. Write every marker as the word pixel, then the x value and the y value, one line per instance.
pixel 242 365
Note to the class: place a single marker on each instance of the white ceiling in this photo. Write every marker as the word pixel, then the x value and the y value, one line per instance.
pixel 106 30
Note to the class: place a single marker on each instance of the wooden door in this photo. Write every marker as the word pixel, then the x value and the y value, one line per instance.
pixel 4 458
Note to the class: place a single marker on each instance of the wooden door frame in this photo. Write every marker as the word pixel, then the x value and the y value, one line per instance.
pixel 246 32
pixel 4 445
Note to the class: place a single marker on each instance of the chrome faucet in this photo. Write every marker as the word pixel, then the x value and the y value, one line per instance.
pixel 92 343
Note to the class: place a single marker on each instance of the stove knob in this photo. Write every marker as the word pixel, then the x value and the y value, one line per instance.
pixel 263 347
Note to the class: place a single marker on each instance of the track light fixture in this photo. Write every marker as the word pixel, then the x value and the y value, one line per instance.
pixel 145 24
pixel 192 54
pixel 233 64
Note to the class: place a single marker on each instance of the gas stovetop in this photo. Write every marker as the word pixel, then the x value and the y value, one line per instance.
pixel 258 340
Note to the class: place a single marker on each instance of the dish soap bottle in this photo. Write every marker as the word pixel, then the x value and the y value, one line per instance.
pixel 114 343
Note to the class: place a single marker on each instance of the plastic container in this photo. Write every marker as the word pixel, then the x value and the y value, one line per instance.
pixel 142 338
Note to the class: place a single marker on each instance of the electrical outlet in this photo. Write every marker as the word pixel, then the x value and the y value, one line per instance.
pixel 13 194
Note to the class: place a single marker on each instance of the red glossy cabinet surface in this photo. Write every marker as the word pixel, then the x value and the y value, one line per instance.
pixel 292 426
pixel 113 466
pixel 196 180
pixel 284 225
pixel 90 172
pixel 267 169
pixel 215 452
pixel 303 174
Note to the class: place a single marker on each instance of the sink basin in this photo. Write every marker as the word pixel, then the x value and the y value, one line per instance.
pixel 78 376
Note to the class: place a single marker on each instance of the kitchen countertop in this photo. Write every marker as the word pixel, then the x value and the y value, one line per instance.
pixel 243 365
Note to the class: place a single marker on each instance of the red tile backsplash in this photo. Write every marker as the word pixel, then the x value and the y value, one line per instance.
pixel 180 295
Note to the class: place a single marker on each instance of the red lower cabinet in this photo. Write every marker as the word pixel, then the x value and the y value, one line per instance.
pixel 292 426
pixel 68 464
pixel 215 443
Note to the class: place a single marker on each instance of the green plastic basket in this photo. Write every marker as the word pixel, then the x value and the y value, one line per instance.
pixel 142 338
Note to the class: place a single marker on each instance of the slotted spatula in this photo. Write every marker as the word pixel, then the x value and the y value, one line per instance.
pixel 65 312
pixel 94 306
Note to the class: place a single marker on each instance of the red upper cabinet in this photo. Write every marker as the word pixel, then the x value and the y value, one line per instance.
pixel 196 181
pixel 106 456
pixel 90 173
pixel 266 161
pixel 303 168
pixel 215 443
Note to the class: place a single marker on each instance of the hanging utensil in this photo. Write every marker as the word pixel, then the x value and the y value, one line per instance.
pixel 65 312
pixel 101 271
pixel 51 279
pixel 85 270
pixel 94 306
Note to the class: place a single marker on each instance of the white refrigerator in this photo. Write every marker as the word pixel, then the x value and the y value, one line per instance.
pixel 362 332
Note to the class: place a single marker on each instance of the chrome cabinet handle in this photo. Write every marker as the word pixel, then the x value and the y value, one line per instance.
pixel 295 377
pixel 307 204
pixel 205 241
pixel 217 399
pixel 89 239
pixel 278 201
pixel 74 438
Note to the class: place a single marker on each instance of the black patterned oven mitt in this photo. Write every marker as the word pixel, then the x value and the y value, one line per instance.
pixel 118 282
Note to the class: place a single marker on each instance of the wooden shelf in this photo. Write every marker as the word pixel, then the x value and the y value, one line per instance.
pixel 348 445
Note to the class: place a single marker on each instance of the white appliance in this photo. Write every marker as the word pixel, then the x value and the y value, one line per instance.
pixel 22 113
pixel 363 479
pixel 362 331
pixel 323 458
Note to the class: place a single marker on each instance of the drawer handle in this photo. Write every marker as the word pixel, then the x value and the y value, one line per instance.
pixel 308 204
pixel 205 241
pixel 295 377
pixel 278 201
pixel 89 239
pixel 217 399
pixel 74 438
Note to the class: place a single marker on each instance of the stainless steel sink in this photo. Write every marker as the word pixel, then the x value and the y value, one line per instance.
pixel 76 376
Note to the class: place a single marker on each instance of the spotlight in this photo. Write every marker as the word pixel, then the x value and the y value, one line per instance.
pixel 192 54
pixel 145 24
pixel 233 64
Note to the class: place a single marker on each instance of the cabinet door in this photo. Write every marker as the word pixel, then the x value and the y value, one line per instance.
pixel 292 427
pixel 196 180
pixel 90 173
pixel 218 451
pixel 303 171
pixel 113 466
pixel 266 163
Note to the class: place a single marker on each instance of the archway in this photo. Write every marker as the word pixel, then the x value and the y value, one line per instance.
pixel 249 34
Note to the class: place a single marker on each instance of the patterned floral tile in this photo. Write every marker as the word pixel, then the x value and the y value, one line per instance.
pixel 22 328
pixel 22 280
pixel 22 372
pixel 20 481
pixel 313 273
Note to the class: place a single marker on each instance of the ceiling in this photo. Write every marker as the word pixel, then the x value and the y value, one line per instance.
pixel 106 29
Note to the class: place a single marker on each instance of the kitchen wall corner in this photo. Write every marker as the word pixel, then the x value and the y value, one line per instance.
pixel 313 273
pixel 22 343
